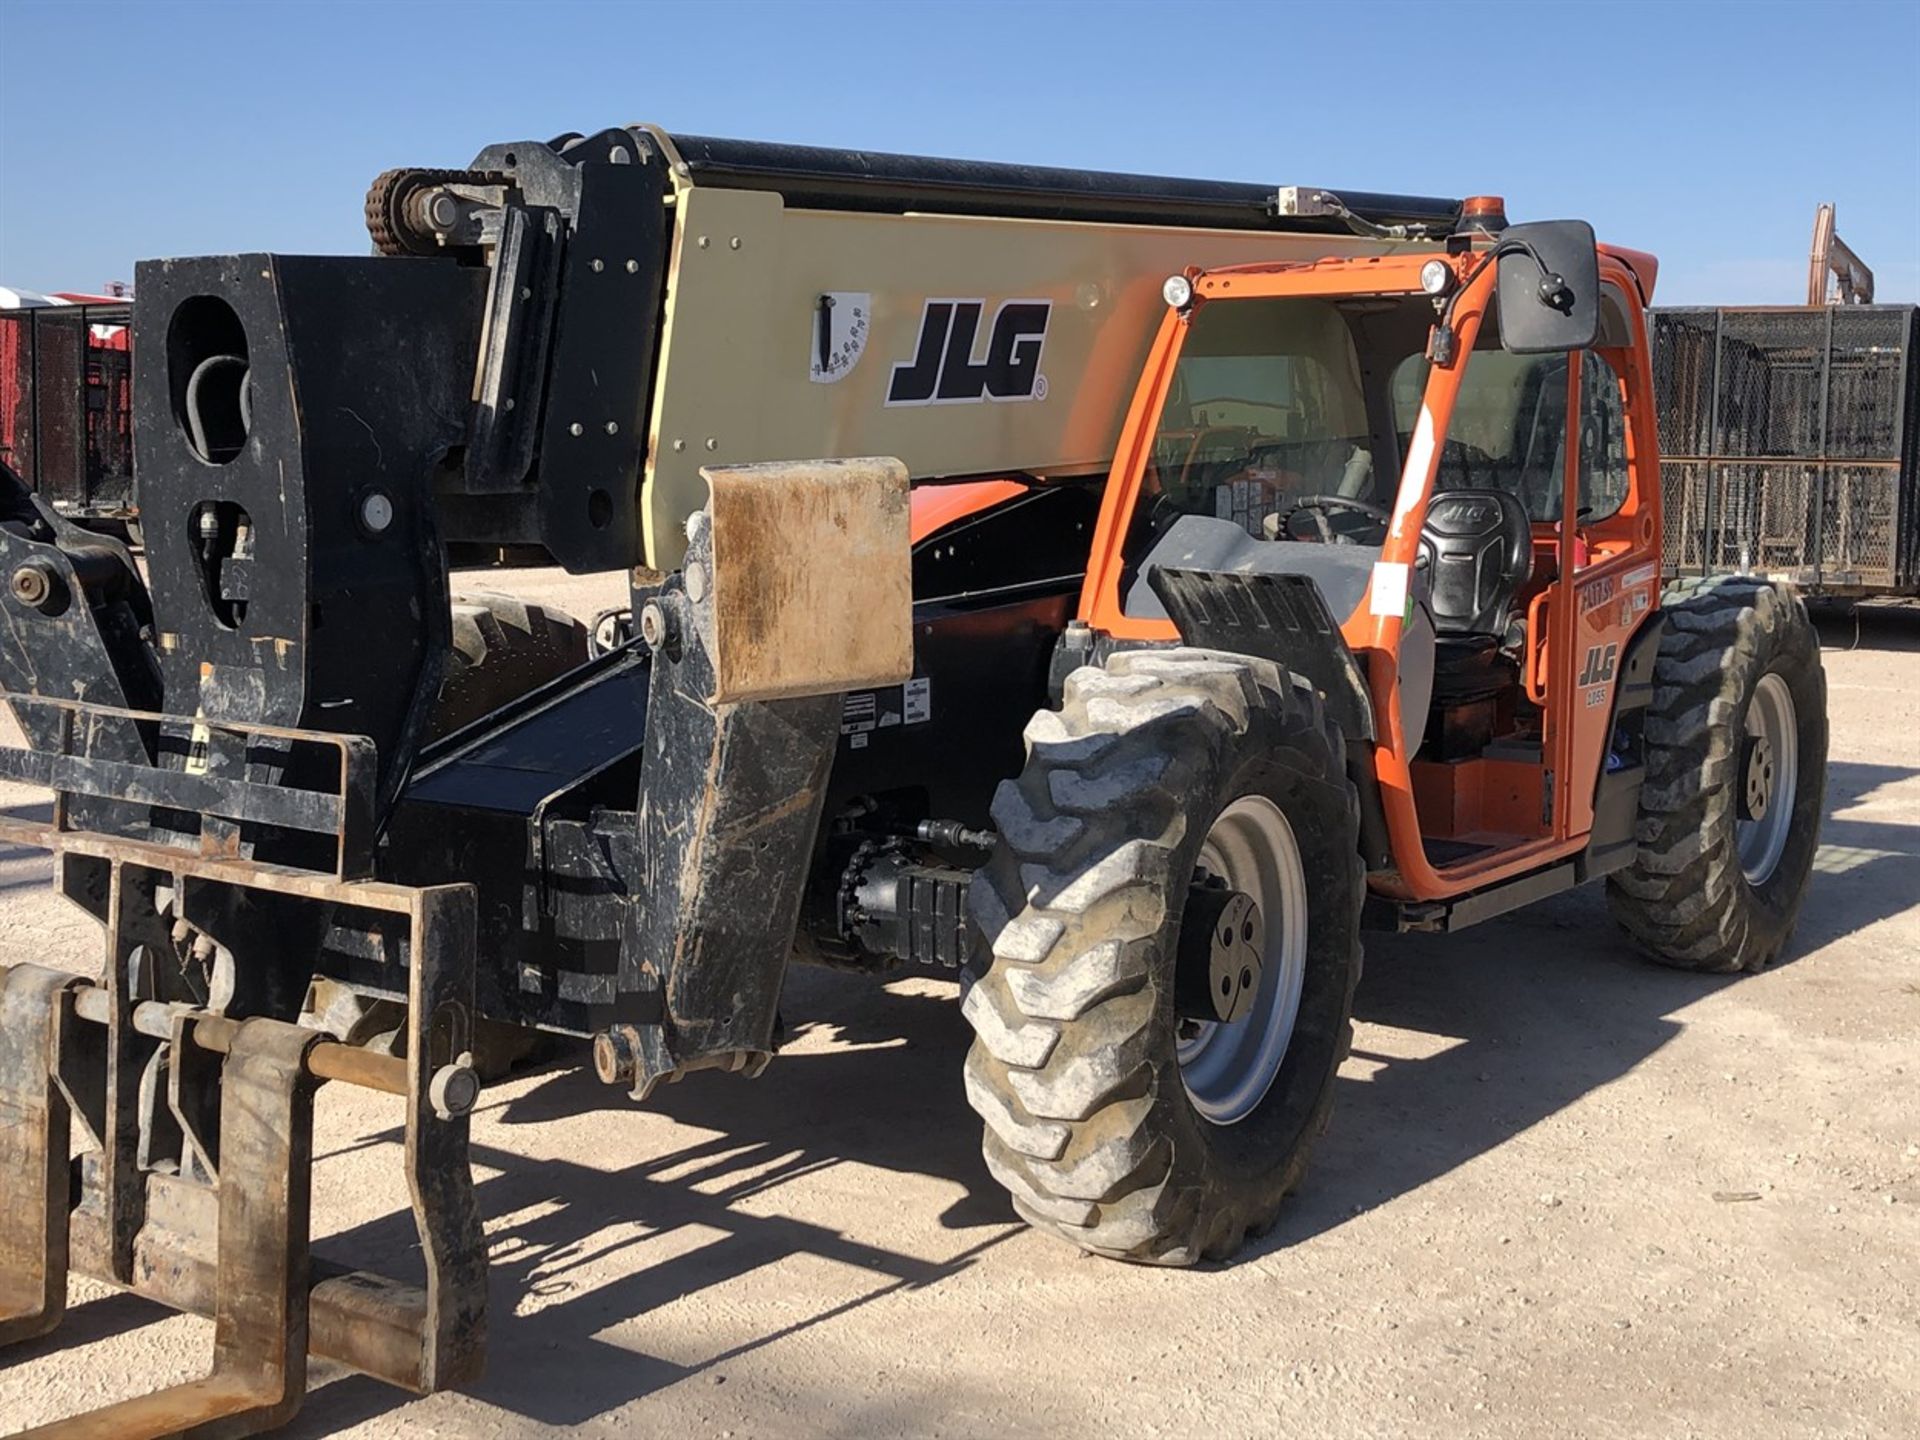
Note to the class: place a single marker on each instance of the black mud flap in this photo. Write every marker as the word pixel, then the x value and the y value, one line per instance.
pixel 1283 618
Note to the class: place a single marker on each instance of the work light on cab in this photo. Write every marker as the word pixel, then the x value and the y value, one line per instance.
pixel 1436 278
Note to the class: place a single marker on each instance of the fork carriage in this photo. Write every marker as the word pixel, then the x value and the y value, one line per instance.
pixel 192 1176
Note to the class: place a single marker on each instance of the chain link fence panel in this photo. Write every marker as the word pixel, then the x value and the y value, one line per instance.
pixel 1791 443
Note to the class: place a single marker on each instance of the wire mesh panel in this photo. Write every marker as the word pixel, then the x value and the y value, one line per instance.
pixel 109 427
pixel 1791 442
pixel 16 392
pixel 1683 379
pixel 66 403
pixel 1868 363
pixel 60 416
pixel 1770 372
pixel 1859 525
pixel 1684 488
pixel 1765 519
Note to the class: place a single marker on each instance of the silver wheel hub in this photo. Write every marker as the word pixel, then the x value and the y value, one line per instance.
pixel 1228 1066
pixel 1759 777
pixel 1223 943
pixel 1768 780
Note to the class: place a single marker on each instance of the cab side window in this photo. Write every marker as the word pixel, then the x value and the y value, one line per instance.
pixel 1510 429
pixel 1603 439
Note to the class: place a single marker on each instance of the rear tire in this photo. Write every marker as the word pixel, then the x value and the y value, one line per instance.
pixel 1076 1061
pixel 1727 828
pixel 503 647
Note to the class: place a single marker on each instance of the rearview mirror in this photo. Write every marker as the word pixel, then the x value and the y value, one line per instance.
pixel 1550 289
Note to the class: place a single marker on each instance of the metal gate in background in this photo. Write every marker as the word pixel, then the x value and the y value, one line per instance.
pixel 66 405
pixel 1790 443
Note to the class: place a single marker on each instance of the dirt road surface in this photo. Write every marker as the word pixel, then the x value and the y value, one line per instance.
pixel 1565 1193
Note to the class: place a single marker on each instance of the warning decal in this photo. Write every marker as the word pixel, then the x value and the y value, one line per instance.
pixel 865 711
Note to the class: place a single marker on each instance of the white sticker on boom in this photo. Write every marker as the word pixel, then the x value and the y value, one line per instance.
pixel 842 320
pixel 1389 594
pixel 919 700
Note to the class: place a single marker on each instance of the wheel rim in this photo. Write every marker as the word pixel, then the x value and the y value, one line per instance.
pixel 1228 1069
pixel 1768 778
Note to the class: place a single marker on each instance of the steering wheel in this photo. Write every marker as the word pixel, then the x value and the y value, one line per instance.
pixel 1318 505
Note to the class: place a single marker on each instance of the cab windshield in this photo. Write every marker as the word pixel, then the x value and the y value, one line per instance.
pixel 1290 417
pixel 1269 404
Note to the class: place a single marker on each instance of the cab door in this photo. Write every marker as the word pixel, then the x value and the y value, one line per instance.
pixel 1609 562
pixel 1511 779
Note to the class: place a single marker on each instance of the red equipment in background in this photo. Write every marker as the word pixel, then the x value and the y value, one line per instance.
pixel 66 397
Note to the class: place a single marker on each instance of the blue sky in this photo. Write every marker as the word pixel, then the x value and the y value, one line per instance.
pixel 1704 132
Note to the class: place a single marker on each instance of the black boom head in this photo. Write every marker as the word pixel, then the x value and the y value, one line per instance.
pixel 289 415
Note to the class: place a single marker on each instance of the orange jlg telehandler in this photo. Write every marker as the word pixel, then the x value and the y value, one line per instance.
pixel 1350 617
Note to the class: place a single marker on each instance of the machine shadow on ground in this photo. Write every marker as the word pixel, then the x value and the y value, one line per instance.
pixel 1544 1007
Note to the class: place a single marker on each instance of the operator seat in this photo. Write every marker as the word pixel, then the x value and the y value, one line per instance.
pixel 1476 552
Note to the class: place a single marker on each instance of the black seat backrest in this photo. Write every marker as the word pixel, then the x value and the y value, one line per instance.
pixel 1477 551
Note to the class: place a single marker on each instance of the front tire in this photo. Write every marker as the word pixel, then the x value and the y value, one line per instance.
pixel 1736 779
pixel 1163 765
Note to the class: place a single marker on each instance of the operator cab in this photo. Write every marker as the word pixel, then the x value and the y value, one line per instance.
pixel 1287 425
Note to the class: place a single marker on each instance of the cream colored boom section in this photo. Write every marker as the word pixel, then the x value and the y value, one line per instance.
pixel 740 348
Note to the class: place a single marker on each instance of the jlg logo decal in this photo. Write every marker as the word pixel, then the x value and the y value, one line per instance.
pixel 1600 663
pixel 943 370
pixel 1599 673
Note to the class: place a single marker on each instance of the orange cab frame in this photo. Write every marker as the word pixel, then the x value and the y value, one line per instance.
pixel 1603 590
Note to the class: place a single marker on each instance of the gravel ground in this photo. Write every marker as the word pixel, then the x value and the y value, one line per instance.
pixel 1565 1193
